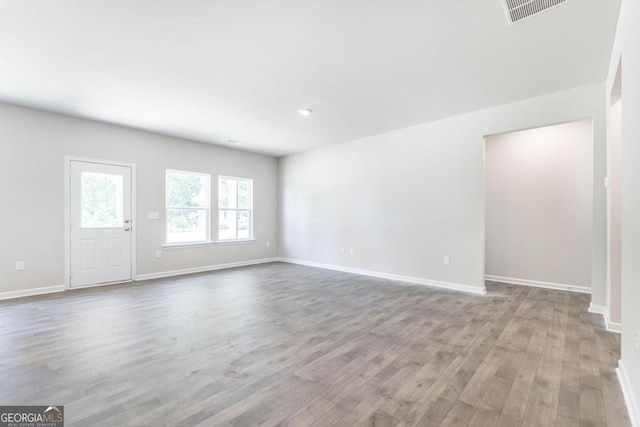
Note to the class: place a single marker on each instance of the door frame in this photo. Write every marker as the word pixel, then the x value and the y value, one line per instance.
pixel 611 94
pixel 67 217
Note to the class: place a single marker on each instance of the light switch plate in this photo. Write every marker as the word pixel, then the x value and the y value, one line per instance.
pixel 154 215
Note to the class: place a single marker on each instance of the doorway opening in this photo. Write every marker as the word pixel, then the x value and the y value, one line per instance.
pixel 539 206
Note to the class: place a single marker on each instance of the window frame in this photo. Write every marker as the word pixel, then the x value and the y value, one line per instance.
pixel 249 210
pixel 168 208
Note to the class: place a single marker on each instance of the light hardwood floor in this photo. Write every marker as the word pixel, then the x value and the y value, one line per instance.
pixel 281 344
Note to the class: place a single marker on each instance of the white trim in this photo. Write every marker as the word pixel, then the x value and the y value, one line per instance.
pixel 63 288
pixel 67 221
pixel 604 312
pixel 67 213
pixel 203 269
pixel 597 309
pixel 612 326
pixel 233 241
pixel 627 391
pixel 212 243
pixel 31 292
pixel 538 284
pixel 96 285
pixel 395 277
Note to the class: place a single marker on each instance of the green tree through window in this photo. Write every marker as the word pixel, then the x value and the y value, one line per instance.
pixel 235 208
pixel 102 198
pixel 187 206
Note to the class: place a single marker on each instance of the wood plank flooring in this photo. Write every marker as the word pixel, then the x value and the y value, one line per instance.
pixel 287 345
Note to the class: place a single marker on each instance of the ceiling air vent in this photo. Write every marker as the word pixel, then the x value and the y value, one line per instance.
pixel 517 10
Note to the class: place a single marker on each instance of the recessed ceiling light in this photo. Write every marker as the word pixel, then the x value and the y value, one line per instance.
pixel 304 111
pixel 233 141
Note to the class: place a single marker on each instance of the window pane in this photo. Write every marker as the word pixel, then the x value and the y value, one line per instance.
pixel 234 203
pixel 102 199
pixel 227 221
pixel 227 193
pixel 232 191
pixel 223 193
pixel 243 195
pixel 243 225
pixel 186 225
pixel 187 191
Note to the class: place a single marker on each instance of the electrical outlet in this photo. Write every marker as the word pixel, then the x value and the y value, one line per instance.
pixel 342 249
pixel 268 244
pixel 158 254
pixel 350 251
pixel 19 265
pixel 445 260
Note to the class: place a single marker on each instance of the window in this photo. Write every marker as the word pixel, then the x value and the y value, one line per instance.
pixel 187 207
pixel 235 207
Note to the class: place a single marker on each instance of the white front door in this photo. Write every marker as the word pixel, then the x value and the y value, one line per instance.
pixel 100 223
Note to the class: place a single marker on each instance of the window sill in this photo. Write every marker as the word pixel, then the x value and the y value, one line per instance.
pixel 199 244
pixel 230 242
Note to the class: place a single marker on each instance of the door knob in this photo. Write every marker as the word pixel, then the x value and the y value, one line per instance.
pixel 127 229
pixel 126 221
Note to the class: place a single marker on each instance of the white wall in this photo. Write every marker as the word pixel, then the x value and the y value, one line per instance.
pixel 627 46
pixel 539 198
pixel 32 149
pixel 406 198
pixel 615 213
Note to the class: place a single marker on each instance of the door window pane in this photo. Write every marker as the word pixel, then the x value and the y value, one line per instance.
pixel 101 200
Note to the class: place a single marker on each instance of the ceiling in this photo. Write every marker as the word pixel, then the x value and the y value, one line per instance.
pixel 219 70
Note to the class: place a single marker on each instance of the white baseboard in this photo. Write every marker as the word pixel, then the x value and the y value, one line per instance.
pixel 62 288
pixel 31 292
pixel 597 309
pixel 203 269
pixel 627 391
pixel 97 285
pixel 396 277
pixel 612 326
pixel 602 310
pixel 538 284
